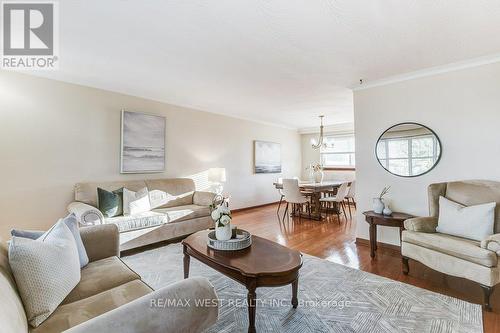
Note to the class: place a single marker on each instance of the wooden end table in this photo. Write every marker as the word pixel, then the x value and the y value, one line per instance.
pixel 263 264
pixel 394 220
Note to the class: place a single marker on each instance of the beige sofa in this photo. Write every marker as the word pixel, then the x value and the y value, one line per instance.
pixel 469 259
pixel 110 297
pixel 178 210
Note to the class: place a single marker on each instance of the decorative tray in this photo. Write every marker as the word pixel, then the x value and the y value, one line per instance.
pixel 242 240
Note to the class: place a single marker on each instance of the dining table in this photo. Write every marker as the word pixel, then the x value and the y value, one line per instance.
pixel 314 190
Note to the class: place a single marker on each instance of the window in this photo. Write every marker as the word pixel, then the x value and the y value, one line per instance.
pixel 408 156
pixel 339 152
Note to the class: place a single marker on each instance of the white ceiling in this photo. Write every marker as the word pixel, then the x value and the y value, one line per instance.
pixel 282 62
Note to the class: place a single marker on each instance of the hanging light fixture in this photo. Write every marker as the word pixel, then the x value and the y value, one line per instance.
pixel 317 144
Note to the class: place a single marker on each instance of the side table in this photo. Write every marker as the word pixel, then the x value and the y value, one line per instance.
pixel 394 220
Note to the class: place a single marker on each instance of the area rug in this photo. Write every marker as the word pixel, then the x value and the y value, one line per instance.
pixel 333 298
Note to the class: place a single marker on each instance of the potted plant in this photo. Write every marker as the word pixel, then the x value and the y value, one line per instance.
pixel 222 218
pixel 378 203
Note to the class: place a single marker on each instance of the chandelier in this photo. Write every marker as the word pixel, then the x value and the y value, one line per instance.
pixel 317 144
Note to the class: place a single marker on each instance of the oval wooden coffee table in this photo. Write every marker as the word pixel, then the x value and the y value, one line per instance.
pixel 263 264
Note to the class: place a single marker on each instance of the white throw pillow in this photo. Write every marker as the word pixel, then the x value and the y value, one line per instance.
pixel 473 222
pixel 136 202
pixel 45 270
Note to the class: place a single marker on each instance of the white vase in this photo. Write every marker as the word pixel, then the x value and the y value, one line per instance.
pixel 223 233
pixel 378 205
pixel 387 211
pixel 311 175
pixel 318 176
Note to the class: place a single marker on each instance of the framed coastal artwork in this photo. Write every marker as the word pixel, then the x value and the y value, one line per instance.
pixel 267 157
pixel 142 143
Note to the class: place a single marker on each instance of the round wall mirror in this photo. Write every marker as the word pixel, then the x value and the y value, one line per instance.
pixel 408 149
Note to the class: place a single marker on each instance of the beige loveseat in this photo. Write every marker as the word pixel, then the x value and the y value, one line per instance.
pixel 178 210
pixel 111 297
pixel 469 259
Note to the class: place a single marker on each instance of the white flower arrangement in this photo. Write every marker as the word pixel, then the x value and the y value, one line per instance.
pixel 220 212
pixel 315 167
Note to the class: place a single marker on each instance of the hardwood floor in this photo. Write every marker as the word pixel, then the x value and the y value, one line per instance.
pixel 336 242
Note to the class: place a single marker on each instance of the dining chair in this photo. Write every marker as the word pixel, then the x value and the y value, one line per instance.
pixel 291 191
pixel 280 191
pixel 350 196
pixel 338 198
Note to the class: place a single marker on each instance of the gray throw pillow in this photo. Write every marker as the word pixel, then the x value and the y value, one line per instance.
pixel 72 223
pixel 31 234
pixel 45 270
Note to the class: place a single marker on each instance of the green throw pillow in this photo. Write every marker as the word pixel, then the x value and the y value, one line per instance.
pixel 110 203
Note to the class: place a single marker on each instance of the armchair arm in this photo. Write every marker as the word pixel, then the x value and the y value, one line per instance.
pixel 203 198
pixel 86 214
pixel 101 241
pixel 492 243
pixel 187 306
pixel 422 224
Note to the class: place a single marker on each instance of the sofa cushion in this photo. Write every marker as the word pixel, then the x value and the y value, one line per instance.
pixel 466 249
pixel 173 192
pixel 99 276
pixel 72 314
pixel 182 213
pixel 139 221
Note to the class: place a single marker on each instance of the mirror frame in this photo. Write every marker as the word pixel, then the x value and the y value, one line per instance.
pixel 410 123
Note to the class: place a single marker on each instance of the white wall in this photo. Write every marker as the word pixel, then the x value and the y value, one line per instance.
pixel 311 155
pixel 462 107
pixel 55 134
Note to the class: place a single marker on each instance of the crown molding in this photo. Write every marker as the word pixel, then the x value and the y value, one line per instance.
pixel 455 66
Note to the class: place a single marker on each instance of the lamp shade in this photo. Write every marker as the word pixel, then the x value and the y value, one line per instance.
pixel 217 175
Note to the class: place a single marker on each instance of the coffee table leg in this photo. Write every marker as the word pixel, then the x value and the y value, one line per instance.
pixel 251 307
pixel 295 287
pixel 186 264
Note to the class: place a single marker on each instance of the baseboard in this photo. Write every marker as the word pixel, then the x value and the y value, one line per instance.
pixel 366 242
pixel 238 210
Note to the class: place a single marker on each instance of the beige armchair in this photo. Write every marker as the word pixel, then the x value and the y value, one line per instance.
pixel 469 259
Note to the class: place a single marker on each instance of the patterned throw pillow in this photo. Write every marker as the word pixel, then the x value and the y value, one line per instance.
pixel 45 270
pixel 72 223
pixel 110 203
